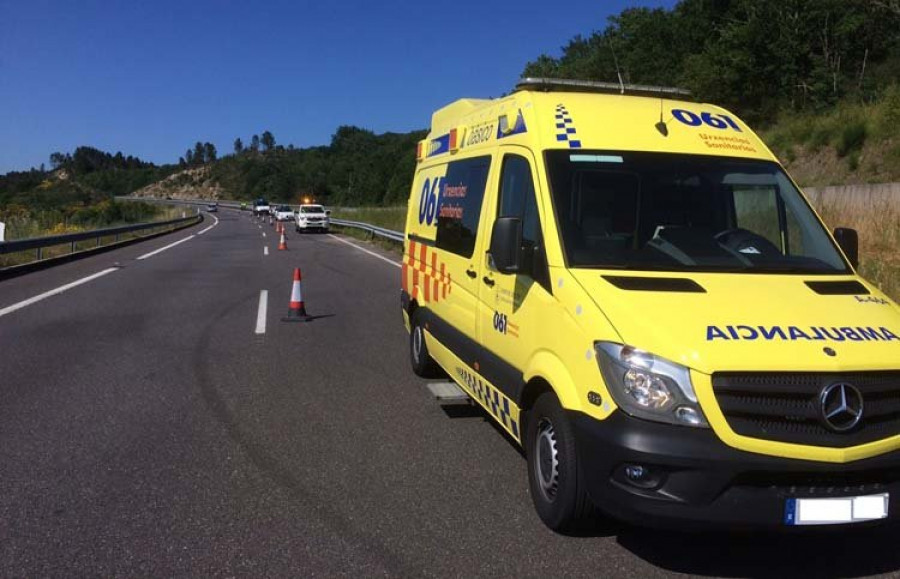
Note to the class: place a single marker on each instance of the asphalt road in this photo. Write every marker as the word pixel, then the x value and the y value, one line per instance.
pixel 146 428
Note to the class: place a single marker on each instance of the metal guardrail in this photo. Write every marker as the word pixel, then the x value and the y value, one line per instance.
pixel 376 231
pixel 194 202
pixel 39 243
pixel 397 236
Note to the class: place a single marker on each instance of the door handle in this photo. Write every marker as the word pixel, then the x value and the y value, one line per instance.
pixel 471 273
pixel 488 281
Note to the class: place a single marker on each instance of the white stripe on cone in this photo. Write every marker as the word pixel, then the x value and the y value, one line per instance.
pixel 296 294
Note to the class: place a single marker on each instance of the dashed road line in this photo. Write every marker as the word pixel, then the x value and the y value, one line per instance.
pixel 372 253
pixel 261 312
pixel 265 250
pixel 53 292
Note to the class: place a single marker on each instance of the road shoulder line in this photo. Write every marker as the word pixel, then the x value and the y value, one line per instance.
pixel 364 250
pixel 53 292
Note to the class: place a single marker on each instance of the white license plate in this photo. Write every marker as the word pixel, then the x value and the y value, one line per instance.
pixel 836 511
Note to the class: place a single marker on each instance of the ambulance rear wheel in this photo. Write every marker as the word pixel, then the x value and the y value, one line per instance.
pixel 557 487
pixel 422 362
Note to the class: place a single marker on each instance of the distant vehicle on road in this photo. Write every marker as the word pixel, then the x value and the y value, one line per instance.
pixel 212 208
pixel 261 207
pixel 312 217
pixel 284 213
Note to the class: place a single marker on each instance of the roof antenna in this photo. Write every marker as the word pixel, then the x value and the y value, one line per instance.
pixel 661 125
pixel 616 62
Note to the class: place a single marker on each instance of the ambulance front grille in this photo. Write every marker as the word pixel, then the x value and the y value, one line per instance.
pixel 786 407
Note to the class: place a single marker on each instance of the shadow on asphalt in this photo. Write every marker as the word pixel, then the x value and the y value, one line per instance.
pixel 309 318
pixel 818 553
pixel 854 552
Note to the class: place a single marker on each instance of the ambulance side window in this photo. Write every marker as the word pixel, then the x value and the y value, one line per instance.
pixel 460 205
pixel 517 199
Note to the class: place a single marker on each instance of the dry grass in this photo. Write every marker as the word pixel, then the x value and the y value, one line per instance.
pixel 43 224
pixel 878 224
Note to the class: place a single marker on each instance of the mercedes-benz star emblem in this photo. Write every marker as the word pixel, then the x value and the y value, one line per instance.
pixel 842 406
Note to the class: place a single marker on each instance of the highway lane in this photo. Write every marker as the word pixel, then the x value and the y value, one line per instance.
pixel 147 428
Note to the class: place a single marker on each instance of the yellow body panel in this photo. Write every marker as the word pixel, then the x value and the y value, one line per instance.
pixel 743 322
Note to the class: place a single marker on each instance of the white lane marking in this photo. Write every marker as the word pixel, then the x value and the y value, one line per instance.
pixel 53 292
pixel 265 250
pixel 261 312
pixel 211 226
pixel 372 253
pixel 170 246
pixel 264 233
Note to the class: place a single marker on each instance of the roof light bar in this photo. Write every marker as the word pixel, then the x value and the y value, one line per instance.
pixel 564 84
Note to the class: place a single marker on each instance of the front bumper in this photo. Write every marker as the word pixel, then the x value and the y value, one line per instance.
pixel 695 480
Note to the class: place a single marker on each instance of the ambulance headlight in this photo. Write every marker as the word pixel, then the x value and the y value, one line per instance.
pixel 649 387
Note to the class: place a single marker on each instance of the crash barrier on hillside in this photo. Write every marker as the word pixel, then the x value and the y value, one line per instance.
pixel 373 230
pixel 68 245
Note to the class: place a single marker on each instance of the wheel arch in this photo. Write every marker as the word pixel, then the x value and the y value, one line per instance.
pixel 548 372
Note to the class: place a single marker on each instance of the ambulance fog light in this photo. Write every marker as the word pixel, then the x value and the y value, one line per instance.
pixel 639 476
pixel 635 472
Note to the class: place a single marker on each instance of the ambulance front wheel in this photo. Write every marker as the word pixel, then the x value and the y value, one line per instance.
pixel 557 487
pixel 422 363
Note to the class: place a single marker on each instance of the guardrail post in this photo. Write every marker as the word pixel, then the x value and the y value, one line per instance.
pixel 40 253
pixel 73 248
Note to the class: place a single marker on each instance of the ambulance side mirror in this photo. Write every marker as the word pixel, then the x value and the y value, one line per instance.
pixel 506 244
pixel 848 239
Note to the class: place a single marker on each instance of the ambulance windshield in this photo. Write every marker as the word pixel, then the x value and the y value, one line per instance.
pixel 675 212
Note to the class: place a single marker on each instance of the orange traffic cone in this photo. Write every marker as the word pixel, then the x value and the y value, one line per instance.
pixel 296 310
pixel 282 245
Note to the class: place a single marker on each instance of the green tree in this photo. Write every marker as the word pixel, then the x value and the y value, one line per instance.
pixel 209 152
pixel 254 143
pixel 238 146
pixel 268 141
pixel 57 160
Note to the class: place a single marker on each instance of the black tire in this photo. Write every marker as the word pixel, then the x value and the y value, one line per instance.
pixel 422 362
pixel 557 490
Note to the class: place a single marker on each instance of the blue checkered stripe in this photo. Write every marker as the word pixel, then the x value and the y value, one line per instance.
pixel 565 128
pixel 489 397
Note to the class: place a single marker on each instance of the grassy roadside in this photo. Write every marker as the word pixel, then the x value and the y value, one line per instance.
pixel 852 143
pixel 878 224
pixel 46 223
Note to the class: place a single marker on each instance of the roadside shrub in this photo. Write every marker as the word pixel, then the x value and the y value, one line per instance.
pixel 852 139
pixel 819 137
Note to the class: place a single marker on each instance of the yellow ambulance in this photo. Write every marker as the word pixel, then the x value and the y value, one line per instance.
pixel 631 285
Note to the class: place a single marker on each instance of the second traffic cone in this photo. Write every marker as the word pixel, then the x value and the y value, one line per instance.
pixel 282 245
pixel 296 309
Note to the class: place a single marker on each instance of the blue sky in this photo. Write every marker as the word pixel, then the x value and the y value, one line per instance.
pixel 150 78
